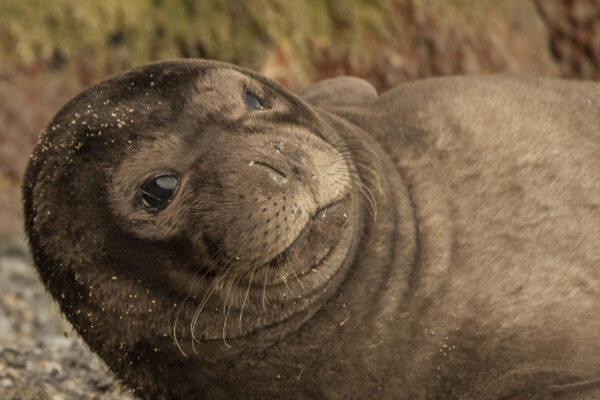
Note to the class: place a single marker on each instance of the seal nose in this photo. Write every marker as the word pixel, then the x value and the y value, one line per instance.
pixel 278 176
pixel 287 161
pixel 292 153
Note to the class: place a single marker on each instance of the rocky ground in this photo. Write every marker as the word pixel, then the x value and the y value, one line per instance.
pixel 41 357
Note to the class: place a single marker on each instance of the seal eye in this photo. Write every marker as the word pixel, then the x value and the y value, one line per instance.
pixel 252 101
pixel 158 190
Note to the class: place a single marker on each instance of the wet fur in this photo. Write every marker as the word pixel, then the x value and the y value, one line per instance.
pixel 475 276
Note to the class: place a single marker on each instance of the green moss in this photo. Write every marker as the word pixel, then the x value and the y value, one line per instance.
pixel 117 33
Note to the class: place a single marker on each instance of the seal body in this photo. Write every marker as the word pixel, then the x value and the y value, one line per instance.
pixel 211 235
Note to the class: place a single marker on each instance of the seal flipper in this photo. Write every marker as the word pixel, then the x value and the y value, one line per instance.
pixel 588 390
pixel 340 91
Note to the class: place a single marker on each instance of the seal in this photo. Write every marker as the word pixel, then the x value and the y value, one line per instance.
pixel 212 235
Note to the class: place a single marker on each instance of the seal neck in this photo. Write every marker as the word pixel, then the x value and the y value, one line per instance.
pixel 391 239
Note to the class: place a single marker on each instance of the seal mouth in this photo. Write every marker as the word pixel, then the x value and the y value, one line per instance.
pixel 320 213
pixel 320 221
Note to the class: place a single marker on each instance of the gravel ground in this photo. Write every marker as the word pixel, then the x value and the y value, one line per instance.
pixel 41 356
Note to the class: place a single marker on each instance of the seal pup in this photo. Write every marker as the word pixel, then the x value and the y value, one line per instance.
pixel 211 235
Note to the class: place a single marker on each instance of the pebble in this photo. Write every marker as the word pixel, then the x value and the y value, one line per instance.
pixel 6 382
pixel 37 361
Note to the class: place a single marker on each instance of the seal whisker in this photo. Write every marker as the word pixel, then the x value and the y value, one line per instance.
pixel 212 287
pixel 224 332
pixel 359 144
pixel 292 293
pixel 367 192
pixel 264 292
pixel 234 280
pixel 346 184
pixel 246 298
pixel 370 200
pixel 296 275
pixel 175 325
pixel 299 280
pixel 354 146
pixel 189 291
pixel 198 311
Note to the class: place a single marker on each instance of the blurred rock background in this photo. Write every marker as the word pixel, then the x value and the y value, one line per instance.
pixel 50 50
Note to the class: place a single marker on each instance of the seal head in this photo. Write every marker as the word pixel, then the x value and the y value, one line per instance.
pixel 194 202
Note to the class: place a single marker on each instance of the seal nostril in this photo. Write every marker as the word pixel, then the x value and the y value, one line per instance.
pixel 278 176
pixel 268 166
